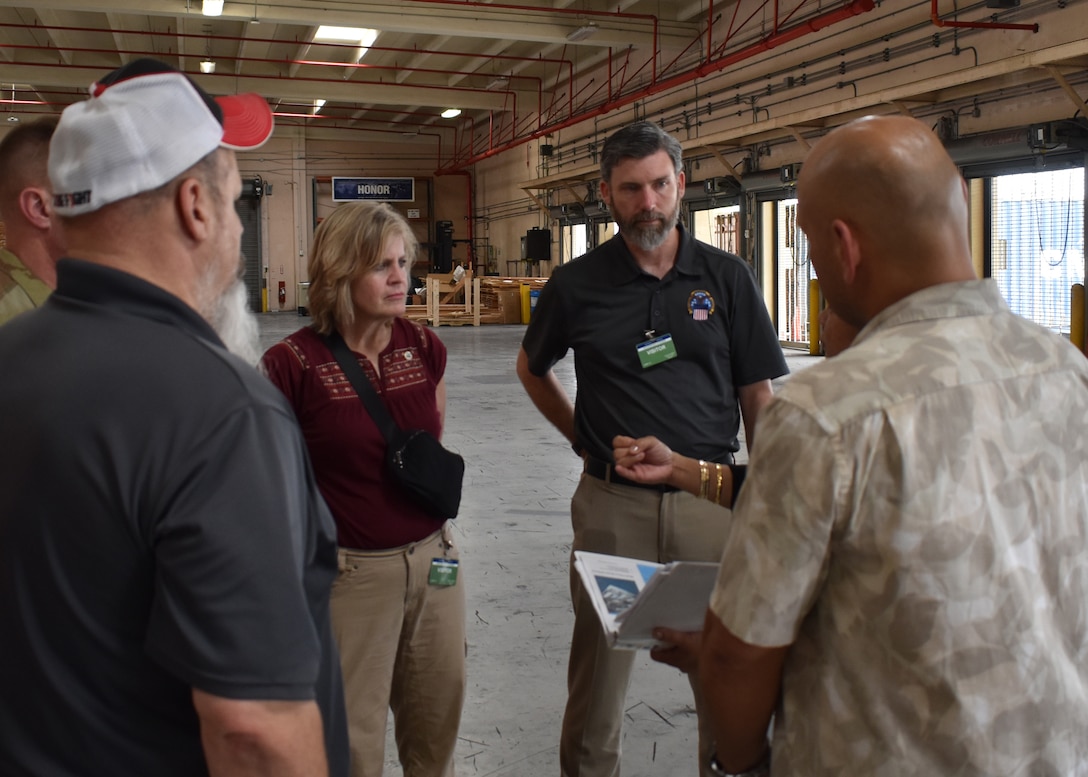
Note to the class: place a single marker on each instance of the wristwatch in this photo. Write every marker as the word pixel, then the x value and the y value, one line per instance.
pixel 761 769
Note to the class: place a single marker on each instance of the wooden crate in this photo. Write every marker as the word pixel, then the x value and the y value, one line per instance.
pixel 440 312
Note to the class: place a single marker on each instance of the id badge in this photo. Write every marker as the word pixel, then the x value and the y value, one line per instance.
pixel 653 352
pixel 443 572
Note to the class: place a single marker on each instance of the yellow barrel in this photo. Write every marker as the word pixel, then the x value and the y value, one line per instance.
pixel 814 317
pixel 526 303
pixel 1076 317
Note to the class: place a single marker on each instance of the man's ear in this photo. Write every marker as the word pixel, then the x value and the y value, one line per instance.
pixel 849 249
pixel 605 193
pixel 194 207
pixel 36 206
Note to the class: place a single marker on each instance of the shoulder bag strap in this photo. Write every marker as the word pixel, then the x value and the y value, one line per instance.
pixel 359 381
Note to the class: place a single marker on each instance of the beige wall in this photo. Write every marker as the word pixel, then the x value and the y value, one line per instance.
pixel 290 162
pixel 507 209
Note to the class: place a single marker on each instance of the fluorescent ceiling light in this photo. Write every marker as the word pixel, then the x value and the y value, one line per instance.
pixel 583 32
pixel 498 83
pixel 450 113
pixel 212 8
pixel 344 34
pixel 363 36
pixel 318 103
pixel 207 66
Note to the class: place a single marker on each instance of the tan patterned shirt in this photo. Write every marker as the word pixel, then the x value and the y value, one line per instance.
pixel 915 523
pixel 20 289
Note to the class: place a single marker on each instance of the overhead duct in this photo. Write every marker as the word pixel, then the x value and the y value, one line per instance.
pixel 721 186
pixel 1055 141
pixel 568 211
pixel 989 146
pixel 595 209
pixel 1071 133
pixel 1021 142
pixel 763 181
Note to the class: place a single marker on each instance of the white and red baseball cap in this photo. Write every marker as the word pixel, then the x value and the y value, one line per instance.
pixel 145 124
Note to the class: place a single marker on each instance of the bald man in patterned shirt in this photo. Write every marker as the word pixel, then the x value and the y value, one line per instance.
pixel 905 584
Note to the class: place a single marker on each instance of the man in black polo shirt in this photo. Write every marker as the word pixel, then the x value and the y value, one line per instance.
pixel 165 557
pixel 671 338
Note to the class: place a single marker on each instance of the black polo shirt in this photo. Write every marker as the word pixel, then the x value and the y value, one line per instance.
pixel 601 305
pixel 160 531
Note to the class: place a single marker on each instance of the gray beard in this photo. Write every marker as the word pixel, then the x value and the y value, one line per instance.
pixel 235 324
pixel 648 236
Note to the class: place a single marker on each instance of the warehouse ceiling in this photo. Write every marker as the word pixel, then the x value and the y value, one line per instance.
pixel 522 70
pixel 427 55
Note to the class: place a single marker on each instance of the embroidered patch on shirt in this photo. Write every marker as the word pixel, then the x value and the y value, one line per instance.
pixel 700 305
pixel 402 369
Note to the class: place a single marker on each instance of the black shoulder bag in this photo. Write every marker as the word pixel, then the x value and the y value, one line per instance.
pixel 414 458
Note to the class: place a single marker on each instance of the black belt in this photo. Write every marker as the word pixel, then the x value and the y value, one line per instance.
pixel 602 470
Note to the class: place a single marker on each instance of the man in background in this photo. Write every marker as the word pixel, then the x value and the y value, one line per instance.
pixel 671 338
pixel 905 586
pixel 28 265
pixel 165 557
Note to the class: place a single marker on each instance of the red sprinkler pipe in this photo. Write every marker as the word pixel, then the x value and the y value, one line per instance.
pixel 938 21
pixel 854 8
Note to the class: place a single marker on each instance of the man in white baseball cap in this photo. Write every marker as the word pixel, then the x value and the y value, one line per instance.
pixel 144 125
pixel 166 557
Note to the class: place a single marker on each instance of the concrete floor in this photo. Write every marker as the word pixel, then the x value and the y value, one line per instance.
pixel 515 538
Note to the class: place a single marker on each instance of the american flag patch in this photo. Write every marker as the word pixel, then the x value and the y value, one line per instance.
pixel 700 305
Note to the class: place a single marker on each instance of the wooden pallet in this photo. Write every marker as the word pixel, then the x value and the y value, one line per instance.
pixel 456 320
pixel 438 313
pixel 471 311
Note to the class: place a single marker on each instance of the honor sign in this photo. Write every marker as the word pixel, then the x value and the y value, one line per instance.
pixel 387 189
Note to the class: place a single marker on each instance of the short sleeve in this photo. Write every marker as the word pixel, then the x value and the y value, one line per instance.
pixel 546 339
pixel 13 301
pixel 756 353
pixel 435 353
pixel 229 613
pixel 775 558
pixel 282 366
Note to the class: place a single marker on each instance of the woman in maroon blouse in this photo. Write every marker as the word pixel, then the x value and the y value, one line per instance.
pixel 398 613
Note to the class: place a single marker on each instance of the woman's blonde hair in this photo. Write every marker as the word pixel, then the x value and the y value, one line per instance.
pixel 347 243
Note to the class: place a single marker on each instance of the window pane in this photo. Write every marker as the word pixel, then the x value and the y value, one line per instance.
pixel 579 240
pixel 720 227
pixel 1037 244
pixel 794 273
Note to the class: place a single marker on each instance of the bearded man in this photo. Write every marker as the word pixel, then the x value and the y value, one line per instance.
pixel 671 338
pixel 166 557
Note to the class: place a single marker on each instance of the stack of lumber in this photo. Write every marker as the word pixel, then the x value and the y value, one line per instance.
pixel 501 298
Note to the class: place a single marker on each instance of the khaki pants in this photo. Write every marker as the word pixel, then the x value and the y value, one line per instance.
pixel 402 646
pixel 639 523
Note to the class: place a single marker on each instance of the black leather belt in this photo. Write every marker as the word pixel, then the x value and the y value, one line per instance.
pixel 602 470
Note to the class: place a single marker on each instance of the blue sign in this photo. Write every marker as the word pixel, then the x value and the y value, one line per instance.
pixel 386 189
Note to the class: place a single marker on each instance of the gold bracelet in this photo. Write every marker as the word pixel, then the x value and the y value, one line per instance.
pixel 704 479
pixel 718 490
